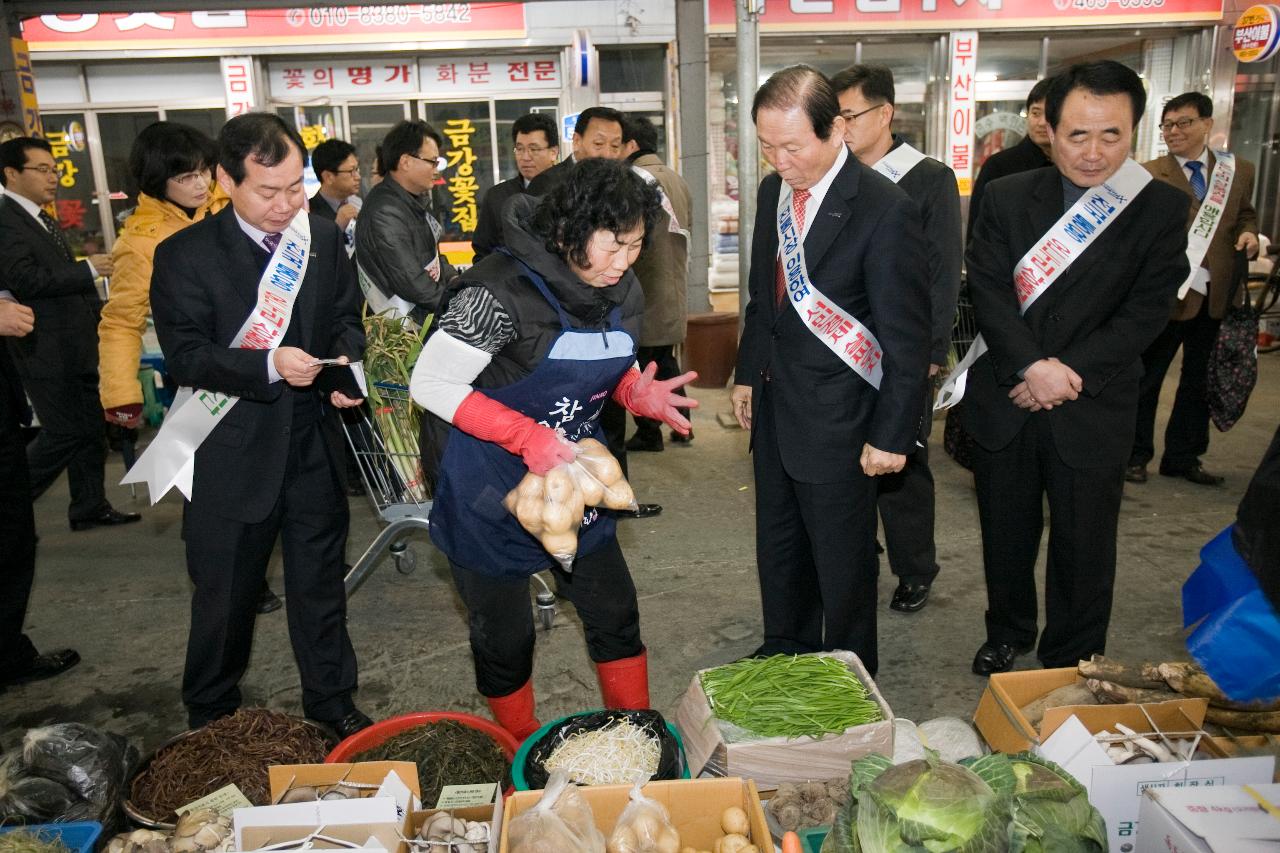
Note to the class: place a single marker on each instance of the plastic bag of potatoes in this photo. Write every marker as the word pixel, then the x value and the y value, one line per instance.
pixel 551 507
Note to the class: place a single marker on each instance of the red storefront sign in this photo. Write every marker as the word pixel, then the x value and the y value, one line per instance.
pixel 864 15
pixel 960 102
pixel 276 27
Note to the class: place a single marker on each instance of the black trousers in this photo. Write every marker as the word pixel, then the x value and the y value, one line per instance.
pixel 18 541
pixel 1084 509
pixel 227 561
pixel 906 503
pixel 1186 437
pixel 72 436
pixel 500 617
pixel 613 420
pixel 815 554
pixel 668 368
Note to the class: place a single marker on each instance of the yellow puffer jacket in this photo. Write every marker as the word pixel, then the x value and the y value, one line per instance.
pixel 124 317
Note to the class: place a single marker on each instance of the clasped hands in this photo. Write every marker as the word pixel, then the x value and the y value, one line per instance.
pixel 1045 384
pixel 300 369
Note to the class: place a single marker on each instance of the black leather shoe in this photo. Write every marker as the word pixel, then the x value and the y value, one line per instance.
pixel 42 667
pixel 681 439
pixel 642 443
pixel 109 517
pixel 641 511
pixel 269 602
pixel 350 724
pixel 1135 474
pixel 910 597
pixel 1195 474
pixel 996 657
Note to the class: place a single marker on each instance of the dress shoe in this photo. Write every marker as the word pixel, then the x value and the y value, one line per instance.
pixel 910 597
pixel 109 517
pixel 996 657
pixel 679 438
pixel 43 666
pixel 645 443
pixel 641 511
pixel 1135 474
pixel 353 722
pixel 1195 474
pixel 269 602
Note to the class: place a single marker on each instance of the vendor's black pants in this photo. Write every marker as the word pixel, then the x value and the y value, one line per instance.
pixel 501 616
pixel 906 503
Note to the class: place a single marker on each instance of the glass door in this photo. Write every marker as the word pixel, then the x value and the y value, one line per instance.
pixel 369 125
pixel 118 131
pixel 1255 136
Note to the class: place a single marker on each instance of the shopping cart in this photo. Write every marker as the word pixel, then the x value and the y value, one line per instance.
pixel 383 438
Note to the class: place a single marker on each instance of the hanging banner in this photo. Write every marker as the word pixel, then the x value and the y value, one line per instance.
pixel 960 107
pixel 28 116
pixel 237 82
pixel 1256 34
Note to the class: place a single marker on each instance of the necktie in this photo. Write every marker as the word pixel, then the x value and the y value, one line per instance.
pixel 56 233
pixel 798 200
pixel 1197 178
pixel 271 241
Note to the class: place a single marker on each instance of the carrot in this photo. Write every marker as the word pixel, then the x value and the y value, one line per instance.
pixel 791 843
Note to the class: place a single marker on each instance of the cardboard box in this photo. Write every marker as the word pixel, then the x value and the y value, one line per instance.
pixel 693 804
pixel 1226 819
pixel 772 760
pixel 356 821
pixel 1000 719
pixel 282 777
pixel 490 814
pixel 1242 746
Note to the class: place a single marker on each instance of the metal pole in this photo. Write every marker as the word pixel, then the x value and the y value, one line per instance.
pixel 691 44
pixel 747 31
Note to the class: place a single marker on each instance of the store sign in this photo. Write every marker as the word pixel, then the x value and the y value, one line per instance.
pixel 237 82
pixel 480 75
pixel 863 15
pixel 360 76
pixel 30 117
pixel 70 149
pixel 404 22
pixel 960 107
pixel 462 183
pixel 1257 34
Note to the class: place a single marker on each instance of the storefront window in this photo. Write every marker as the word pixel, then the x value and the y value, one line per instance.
pixel 633 69
pixel 208 122
pixel 118 131
pixel 909 62
pixel 1002 57
pixel 468 152
pixel 505 114
pixel 1067 50
pixel 369 126
pixel 77 204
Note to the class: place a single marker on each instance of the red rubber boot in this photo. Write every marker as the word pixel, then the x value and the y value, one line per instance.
pixel 624 684
pixel 514 712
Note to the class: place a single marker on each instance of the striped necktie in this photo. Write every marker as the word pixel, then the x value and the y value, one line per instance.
pixel 56 233
pixel 1197 178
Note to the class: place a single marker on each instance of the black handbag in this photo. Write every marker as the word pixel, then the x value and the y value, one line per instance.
pixel 1233 364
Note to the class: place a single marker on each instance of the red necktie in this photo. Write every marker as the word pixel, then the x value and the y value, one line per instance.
pixel 798 200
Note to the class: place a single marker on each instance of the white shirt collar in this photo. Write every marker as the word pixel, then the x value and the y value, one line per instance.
pixel 818 191
pixel 1203 158
pixel 28 205
pixel 254 234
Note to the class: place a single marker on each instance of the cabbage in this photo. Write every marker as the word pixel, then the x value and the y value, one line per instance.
pixel 1051 810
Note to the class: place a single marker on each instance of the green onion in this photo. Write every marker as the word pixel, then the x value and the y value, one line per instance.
pixel 790 696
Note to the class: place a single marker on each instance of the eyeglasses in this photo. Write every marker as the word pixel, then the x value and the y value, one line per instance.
pixel 1180 124
pixel 440 163
pixel 190 178
pixel 354 170
pixel 531 150
pixel 850 115
pixel 43 169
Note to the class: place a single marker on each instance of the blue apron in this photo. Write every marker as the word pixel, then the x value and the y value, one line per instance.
pixel 566 390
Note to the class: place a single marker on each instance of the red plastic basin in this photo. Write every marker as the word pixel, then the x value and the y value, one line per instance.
pixel 375 735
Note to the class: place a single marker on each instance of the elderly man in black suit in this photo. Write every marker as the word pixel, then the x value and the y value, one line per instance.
pixel 1072 270
pixel 271 466
pixel 831 368
pixel 58 362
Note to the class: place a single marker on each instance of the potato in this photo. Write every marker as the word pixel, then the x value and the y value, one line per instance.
pixel 619 495
pixel 559 518
pixel 668 841
pixel 592 489
pixel 531 486
pixel 559 486
pixel 732 843
pixel 529 514
pixel 560 544
pixel 597 458
pixel 623 840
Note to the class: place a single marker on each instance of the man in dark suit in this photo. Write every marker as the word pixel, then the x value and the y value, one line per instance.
pixel 58 362
pixel 19 660
pixel 272 466
pixel 853 310
pixel 536 143
pixel 1186 123
pixel 906 499
pixel 598 133
pixel 338 170
pixel 1031 152
pixel 1052 403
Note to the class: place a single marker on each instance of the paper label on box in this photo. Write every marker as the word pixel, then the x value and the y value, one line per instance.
pixel 224 801
pixel 462 796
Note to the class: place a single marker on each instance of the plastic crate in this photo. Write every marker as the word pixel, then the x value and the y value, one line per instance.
pixel 811 839
pixel 77 836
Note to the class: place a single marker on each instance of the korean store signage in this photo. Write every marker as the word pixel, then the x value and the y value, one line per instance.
pixel 1257 34
pixel 863 15
pixel 30 117
pixel 478 75
pixel 446 76
pixel 960 104
pixel 343 77
pixel 266 28
pixel 237 82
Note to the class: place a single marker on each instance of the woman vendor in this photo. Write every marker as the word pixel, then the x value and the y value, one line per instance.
pixel 527 346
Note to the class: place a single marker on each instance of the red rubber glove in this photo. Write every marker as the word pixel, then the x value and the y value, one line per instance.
pixel 539 446
pixel 641 394
pixel 129 417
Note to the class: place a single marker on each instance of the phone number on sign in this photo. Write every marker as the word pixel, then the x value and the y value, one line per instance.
pixel 380 16
pixel 1105 4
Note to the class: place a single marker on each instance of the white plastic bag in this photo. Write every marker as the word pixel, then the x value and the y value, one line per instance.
pixel 644 827
pixel 561 822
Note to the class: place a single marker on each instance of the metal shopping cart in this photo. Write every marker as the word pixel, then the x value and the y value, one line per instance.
pixel 383 437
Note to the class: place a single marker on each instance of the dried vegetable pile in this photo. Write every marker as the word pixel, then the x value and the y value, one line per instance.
pixel 447 753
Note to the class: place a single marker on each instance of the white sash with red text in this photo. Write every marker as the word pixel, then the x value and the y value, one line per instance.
pixel 170 458
pixel 1051 255
pixel 1207 220
pixel 898 162
pixel 839 330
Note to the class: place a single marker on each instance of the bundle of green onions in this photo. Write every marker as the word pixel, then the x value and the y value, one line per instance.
pixel 789 696
pixel 392 345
